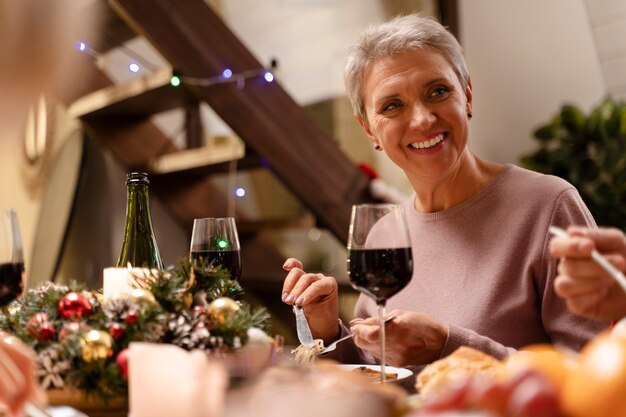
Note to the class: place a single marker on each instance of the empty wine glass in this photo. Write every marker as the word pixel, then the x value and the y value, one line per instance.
pixel 214 241
pixel 380 261
pixel 11 258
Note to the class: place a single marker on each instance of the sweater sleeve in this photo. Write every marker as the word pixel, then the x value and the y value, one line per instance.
pixel 458 336
pixel 564 327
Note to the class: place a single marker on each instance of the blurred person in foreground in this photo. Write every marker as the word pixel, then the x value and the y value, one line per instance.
pixel 483 274
pixel 36 38
pixel 587 288
pixel 17 379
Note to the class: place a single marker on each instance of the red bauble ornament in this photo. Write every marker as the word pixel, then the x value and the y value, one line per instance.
pixel 74 305
pixel 131 318
pixel 34 325
pixel 46 332
pixel 71 328
pixel 117 331
pixel 122 363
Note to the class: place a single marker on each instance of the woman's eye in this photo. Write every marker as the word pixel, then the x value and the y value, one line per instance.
pixel 439 92
pixel 390 106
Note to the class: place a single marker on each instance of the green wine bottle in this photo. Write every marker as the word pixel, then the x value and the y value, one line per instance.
pixel 139 248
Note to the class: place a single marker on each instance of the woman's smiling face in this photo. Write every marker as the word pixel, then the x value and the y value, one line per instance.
pixel 417 111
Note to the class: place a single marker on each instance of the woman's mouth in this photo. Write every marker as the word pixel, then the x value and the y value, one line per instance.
pixel 427 144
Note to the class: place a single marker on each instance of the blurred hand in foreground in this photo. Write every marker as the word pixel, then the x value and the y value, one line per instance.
pixel 589 290
pixel 17 375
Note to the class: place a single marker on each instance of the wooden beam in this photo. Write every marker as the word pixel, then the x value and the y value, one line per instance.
pixel 197 43
pixel 449 16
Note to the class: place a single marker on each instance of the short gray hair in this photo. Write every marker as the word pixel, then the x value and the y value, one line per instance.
pixel 403 33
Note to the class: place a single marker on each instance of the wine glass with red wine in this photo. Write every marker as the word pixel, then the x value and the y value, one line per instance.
pixel 380 260
pixel 214 241
pixel 11 258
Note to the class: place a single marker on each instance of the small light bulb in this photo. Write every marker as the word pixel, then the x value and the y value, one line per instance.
pixel 226 74
pixel 269 77
pixel 81 46
pixel 175 81
pixel 134 68
pixel 222 244
pixel 240 192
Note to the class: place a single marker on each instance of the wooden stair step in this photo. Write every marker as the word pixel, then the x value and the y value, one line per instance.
pixel 142 97
pixel 189 159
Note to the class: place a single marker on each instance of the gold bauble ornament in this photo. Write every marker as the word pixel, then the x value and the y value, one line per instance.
pixel 96 345
pixel 223 308
pixel 142 297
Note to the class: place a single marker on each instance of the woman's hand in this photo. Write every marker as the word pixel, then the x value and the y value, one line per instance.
pixel 411 338
pixel 589 290
pixel 317 294
pixel 17 375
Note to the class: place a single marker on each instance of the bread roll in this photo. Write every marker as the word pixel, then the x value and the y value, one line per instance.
pixel 462 363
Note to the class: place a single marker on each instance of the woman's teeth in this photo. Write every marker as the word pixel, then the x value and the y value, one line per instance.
pixel 428 143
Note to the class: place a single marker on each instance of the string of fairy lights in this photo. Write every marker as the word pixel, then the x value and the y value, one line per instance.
pixel 137 63
pixel 226 76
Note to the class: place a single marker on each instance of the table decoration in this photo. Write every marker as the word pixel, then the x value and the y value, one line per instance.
pixel 115 282
pixel 81 339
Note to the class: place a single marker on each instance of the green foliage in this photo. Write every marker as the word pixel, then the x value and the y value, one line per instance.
pixel 171 307
pixel 589 151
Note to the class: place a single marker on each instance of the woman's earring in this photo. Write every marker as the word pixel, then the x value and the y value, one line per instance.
pixel 469 115
pixel 378 148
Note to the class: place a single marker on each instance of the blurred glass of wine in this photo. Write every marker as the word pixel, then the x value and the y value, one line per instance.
pixel 214 241
pixel 11 258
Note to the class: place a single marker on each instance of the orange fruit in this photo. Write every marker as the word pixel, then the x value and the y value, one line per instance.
pixel 552 363
pixel 597 387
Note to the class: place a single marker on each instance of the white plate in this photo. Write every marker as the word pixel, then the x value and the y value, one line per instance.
pixel 403 373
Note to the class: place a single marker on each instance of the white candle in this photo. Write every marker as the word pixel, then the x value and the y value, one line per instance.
pixel 115 282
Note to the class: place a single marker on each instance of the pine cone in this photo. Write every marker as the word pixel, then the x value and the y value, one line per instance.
pixel 116 309
pixel 185 331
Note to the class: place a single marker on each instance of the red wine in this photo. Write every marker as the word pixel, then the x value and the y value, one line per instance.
pixel 11 282
pixel 380 273
pixel 229 259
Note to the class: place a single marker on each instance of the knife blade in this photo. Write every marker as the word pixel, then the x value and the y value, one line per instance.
pixel 302 327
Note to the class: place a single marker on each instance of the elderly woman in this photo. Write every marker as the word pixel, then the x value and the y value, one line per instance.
pixel 483 273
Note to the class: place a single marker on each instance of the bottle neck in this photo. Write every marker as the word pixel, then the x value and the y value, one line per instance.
pixel 139 247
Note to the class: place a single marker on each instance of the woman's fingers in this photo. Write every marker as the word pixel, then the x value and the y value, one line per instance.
pixel 605 239
pixel 302 288
pixel 567 287
pixel 292 263
pixel 572 247
pixel 309 288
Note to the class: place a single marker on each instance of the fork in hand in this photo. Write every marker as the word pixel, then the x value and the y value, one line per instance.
pixel 333 345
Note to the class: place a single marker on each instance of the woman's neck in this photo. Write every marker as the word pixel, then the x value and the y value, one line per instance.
pixel 468 178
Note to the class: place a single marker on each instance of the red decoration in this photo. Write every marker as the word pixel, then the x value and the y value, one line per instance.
pixel 35 323
pixel 71 328
pixel 122 363
pixel 132 317
pixel 74 305
pixel 117 331
pixel 368 170
pixel 46 332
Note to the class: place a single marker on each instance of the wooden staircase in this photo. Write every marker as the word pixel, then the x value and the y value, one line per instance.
pixel 275 129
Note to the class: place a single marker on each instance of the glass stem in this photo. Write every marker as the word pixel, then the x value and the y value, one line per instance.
pixel 381 324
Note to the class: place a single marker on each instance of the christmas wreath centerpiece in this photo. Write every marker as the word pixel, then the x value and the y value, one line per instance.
pixel 81 340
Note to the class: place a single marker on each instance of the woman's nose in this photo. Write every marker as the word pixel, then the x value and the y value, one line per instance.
pixel 422 116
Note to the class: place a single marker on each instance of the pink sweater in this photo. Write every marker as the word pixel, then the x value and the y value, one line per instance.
pixel 484 268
